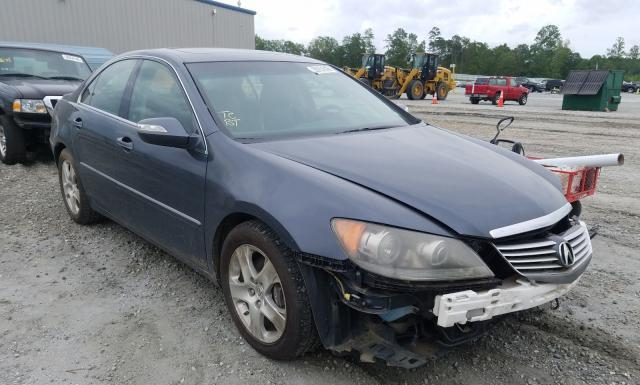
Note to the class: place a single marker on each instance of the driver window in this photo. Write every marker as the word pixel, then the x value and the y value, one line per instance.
pixel 158 94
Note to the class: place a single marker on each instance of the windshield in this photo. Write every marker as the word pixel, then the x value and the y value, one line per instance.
pixel 42 64
pixel 259 100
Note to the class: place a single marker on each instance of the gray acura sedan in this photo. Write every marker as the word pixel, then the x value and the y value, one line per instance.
pixel 326 213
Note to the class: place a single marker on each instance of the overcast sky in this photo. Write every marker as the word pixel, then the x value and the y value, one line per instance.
pixel 590 25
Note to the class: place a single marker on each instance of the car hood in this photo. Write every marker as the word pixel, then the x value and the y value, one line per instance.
pixel 470 186
pixel 31 88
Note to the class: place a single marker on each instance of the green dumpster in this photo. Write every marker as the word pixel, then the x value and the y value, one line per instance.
pixel 592 90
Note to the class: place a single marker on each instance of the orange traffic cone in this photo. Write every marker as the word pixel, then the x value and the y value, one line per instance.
pixel 434 100
pixel 501 100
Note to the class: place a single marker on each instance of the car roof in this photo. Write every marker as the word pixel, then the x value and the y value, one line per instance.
pixel 198 55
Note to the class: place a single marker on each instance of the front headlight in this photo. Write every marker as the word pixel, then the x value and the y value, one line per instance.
pixel 33 106
pixel 407 255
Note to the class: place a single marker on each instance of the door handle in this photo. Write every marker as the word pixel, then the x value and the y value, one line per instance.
pixel 125 142
pixel 77 122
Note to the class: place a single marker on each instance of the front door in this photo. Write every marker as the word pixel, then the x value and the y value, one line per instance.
pixel 166 184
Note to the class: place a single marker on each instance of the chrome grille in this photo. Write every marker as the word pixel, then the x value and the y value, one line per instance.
pixel 539 255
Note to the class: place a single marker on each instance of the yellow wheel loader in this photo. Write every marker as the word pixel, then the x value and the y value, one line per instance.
pixel 376 74
pixel 426 78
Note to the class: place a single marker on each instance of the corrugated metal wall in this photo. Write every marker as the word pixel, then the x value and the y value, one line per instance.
pixel 125 25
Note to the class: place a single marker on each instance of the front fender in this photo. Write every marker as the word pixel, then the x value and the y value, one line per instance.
pixel 295 200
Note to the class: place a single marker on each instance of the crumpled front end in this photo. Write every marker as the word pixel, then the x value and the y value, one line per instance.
pixel 406 323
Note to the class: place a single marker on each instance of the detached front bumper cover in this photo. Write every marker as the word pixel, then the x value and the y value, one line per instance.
pixel 519 294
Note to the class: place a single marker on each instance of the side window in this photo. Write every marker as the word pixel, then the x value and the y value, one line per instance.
pixel 157 94
pixel 501 82
pixel 513 82
pixel 106 91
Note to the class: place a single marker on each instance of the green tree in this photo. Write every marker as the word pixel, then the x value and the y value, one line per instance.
pixel 286 46
pixel 547 56
pixel 548 38
pixel 325 48
pixel 353 47
pixel 436 42
pixel 546 42
pixel 617 49
pixel 400 46
pixel 562 61
pixel 368 39
pixel 522 55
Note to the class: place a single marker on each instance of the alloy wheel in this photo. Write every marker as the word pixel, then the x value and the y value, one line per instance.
pixel 70 187
pixel 257 294
pixel 3 142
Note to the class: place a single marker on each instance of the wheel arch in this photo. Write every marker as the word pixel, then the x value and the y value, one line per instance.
pixel 57 149
pixel 243 213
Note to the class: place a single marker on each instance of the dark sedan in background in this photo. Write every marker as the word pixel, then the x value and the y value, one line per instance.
pixel 32 78
pixel 324 210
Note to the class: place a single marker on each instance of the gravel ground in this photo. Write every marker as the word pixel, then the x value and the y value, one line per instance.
pixel 99 305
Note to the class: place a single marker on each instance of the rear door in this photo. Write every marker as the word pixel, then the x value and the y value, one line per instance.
pixel 98 122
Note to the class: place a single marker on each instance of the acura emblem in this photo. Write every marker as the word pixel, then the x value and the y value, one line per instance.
pixel 565 254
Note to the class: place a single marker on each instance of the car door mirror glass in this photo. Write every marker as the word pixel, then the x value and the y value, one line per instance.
pixel 165 132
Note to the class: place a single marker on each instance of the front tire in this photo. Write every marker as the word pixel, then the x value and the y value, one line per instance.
pixel 12 142
pixel 416 90
pixel 474 100
pixel 442 91
pixel 265 292
pixel 73 195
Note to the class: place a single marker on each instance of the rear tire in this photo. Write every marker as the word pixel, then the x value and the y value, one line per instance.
pixel 73 195
pixel 416 90
pixel 523 99
pixel 12 142
pixel 270 266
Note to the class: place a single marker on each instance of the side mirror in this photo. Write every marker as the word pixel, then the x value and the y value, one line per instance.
pixel 165 132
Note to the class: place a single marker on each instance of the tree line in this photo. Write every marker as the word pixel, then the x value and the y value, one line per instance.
pixel 549 55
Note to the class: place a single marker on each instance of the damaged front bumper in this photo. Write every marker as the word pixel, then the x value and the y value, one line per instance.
pixel 514 295
pixel 407 323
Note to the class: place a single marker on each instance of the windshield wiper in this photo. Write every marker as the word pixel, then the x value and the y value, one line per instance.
pixel 365 129
pixel 62 77
pixel 21 75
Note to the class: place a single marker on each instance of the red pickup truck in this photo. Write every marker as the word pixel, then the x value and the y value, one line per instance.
pixel 490 89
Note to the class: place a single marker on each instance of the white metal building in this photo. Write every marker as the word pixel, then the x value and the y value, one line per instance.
pixel 125 25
